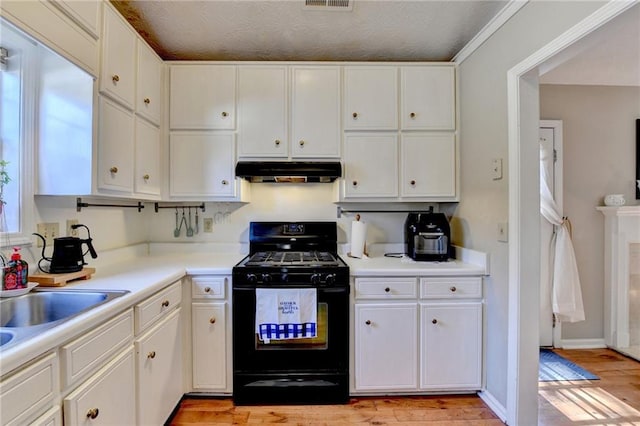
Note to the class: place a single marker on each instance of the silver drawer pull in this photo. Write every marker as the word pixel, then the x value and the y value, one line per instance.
pixel 434 321
pixel 453 288
pixel 207 289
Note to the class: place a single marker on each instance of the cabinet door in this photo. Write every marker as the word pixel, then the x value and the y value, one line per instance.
pixel 262 111
pixel 148 83
pixel 84 13
pixel 108 398
pixel 209 346
pixel 428 165
pixel 159 368
pixel 117 74
pixel 201 164
pixel 451 346
pixel 428 98
pixel 202 97
pixel 147 159
pixel 315 112
pixel 371 98
pixel 371 165
pixel 115 147
pixel 386 346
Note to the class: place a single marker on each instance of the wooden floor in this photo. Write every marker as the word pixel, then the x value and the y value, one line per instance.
pixel 612 400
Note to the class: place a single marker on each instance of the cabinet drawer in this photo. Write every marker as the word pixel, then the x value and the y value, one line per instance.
pixel 157 306
pixel 83 355
pixel 386 288
pixel 28 393
pixel 208 287
pixel 451 288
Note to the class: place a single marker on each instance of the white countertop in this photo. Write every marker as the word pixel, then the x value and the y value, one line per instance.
pixel 144 275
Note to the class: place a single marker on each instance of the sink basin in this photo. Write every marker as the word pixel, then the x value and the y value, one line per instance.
pixel 33 313
pixel 5 337
pixel 45 306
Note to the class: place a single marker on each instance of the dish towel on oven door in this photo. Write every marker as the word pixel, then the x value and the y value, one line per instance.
pixel 286 313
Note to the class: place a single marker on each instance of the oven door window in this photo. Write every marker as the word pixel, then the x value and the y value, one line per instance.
pixel 320 342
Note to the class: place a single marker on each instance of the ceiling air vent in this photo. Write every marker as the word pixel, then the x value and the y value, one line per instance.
pixel 344 5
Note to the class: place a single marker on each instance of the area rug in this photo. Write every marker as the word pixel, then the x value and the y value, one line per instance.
pixel 553 367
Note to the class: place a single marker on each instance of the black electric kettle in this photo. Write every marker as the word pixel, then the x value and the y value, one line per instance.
pixel 67 253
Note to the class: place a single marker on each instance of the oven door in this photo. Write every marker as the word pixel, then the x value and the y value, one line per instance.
pixel 328 351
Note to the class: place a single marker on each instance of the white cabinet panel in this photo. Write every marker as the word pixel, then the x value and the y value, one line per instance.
pixel 159 371
pixel 202 164
pixel 108 398
pixel 315 112
pixel 428 97
pixel 117 73
pixel 202 97
pixel 148 83
pixel 115 147
pixel 451 348
pixel 85 13
pixel 147 158
pixel 262 111
pixel 371 98
pixel 210 369
pixel 386 347
pixel 371 165
pixel 428 165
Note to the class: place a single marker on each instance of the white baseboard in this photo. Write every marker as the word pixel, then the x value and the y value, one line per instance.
pixel 582 344
pixel 497 408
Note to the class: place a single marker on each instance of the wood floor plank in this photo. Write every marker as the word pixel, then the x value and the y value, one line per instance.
pixel 612 400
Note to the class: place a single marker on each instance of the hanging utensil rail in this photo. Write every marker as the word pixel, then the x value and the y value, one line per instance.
pixel 80 205
pixel 157 206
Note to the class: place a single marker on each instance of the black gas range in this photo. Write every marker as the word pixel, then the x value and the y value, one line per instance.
pixel 291 256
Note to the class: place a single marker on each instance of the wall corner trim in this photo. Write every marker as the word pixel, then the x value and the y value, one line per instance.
pixel 495 406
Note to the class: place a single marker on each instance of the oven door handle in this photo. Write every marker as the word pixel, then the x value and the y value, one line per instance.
pixel 331 290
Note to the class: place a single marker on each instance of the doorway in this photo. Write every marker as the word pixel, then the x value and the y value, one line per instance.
pixel 551 146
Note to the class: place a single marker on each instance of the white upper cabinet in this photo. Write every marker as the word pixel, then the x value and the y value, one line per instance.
pixel 371 165
pixel 84 13
pixel 370 97
pixel 262 111
pixel 148 83
pixel 115 147
pixel 117 73
pixel 202 165
pixel 315 112
pixel 147 159
pixel 202 97
pixel 428 165
pixel 428 97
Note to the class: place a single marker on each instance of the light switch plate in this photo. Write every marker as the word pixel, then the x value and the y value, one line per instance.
pixel 503 232
pixel 496 168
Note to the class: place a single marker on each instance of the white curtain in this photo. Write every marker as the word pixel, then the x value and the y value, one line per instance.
pixel 565 281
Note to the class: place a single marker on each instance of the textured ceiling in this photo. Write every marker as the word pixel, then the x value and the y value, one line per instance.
pixel 283 30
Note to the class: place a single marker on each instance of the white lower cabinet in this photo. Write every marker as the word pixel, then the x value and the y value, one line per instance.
pixel 451 340
pixel 211 341
pixel 417 334
pixel 386 346
pixel 159 370
pixel 107 398
pixel 52 417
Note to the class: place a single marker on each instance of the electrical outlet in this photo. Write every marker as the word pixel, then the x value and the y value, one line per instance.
pixel 49 231
pixel 496 168
pixel 208 224
pixel 72 232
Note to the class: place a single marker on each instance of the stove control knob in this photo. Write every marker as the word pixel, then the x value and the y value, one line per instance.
pixel 315 279
pixel 330 279
pixel 251 278
pixel 284 278
pixel 266 278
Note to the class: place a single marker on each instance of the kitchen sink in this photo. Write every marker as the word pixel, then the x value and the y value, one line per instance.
pixel 30 314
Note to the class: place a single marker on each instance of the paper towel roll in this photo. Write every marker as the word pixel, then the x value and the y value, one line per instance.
pixel 358 238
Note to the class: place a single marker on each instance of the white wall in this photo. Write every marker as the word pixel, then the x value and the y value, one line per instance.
pixel 483 109
pixel 599 159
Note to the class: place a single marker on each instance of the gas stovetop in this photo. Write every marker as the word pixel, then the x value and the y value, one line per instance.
pixel 292 258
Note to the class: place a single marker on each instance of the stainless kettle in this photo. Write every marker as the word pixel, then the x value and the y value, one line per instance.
pixel 67 253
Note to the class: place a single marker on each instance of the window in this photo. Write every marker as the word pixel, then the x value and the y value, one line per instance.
pixel 17 86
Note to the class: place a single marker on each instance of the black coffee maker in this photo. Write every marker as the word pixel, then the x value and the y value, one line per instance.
pixel 427 237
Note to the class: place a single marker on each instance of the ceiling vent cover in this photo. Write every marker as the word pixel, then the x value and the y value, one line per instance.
pixel 344 5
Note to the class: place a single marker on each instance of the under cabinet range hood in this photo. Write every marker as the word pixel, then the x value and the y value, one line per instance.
pixel 292 171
